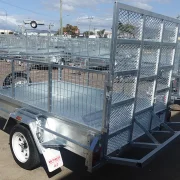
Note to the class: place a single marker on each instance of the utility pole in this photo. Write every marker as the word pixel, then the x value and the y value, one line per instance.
pixel 61 28
pixel 50 25
pixel 90 20
pixel 6 19
pixel 94 30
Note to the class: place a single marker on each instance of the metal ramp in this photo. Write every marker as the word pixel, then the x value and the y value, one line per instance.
pixel 143 50
pixel 154 148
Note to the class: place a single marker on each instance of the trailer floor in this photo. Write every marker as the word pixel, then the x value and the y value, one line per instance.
pixel 165 166
pixel 82 104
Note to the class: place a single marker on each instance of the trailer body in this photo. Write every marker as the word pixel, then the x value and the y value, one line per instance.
pixel 93 113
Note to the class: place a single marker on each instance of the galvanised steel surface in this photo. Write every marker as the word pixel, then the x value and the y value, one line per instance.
pixel 113 86
pixel 150 40
pixel 74 97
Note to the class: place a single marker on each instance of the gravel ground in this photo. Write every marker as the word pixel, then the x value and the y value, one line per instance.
pixel 165 166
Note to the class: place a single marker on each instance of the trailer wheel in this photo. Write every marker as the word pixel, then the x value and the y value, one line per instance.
pixel 62 63
pixel 33 24
pixel 23 148
pixel 19 78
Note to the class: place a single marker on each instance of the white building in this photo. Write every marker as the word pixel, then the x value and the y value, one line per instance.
pixel 107 34
pixel 5 31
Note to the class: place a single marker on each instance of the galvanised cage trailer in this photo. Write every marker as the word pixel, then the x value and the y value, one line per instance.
pixel 93 113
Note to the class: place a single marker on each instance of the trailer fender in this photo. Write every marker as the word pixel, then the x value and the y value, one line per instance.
pixel 28 121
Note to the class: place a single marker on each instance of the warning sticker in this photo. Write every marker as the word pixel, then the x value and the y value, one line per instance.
pixel 53 159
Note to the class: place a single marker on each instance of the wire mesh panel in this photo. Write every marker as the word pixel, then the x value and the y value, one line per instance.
pixel 177 60
pixel 161 100
pixel 148 41
pixel 163 79
pixel 124 88
pixel 126 60
pixel 31 84
pixel 175 80
pixel 127 57
pixel 170 32
pixel 120 117
pixel 5 77
pixel 157 120
pixel 100 84
pixel 117 142
pixel 87 53
pixel 149 61
pixel 144 95
pixel 144 119
pixel 129 24
pixel 167 58
pixel 167 55
pixel 78 95
pixel 69 92
pixel 152 30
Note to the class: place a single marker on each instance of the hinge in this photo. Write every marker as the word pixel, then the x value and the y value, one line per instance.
pixel 104 130
pixel 108 95
pixel 154 100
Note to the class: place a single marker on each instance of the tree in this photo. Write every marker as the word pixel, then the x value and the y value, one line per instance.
pixel 86 33
pixel 105 36
pixel 101 33
pixel 70 30
pixel 126 30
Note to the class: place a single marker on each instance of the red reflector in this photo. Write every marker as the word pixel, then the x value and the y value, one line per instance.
pixel 19 118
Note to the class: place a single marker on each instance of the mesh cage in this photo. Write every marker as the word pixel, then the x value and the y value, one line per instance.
pixel 127 57
pixel 152 31
pixel 163 79
pixel 94 82
pixel 124 88
pixel 117 142
pixel 31 84
pixel 148 41
pixel 78 96
pixel 176 61
pixel 149 60
pixel 129 25
pixel 144 95
pixel 157 120
pixel 120 117
pixel 170 32
pixel 161 101
pixel 5 77
pixel 167 55
pixel 144 119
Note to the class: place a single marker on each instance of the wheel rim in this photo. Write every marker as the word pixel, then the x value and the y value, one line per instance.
pixel 33 25
pixel 20 147
pixel 20 81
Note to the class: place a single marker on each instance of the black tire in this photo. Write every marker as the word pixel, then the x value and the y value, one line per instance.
pixel 33 24
pixel 34 159
pixel 8 79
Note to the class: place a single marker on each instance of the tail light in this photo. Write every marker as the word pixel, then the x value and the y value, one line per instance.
pixel 97 155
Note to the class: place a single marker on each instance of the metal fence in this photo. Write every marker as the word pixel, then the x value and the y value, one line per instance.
pixel 73 94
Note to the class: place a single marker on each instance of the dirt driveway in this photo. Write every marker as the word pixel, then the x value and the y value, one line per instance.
pixel 166 166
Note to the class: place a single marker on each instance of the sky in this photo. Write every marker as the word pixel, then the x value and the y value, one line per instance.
pixel 96 14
